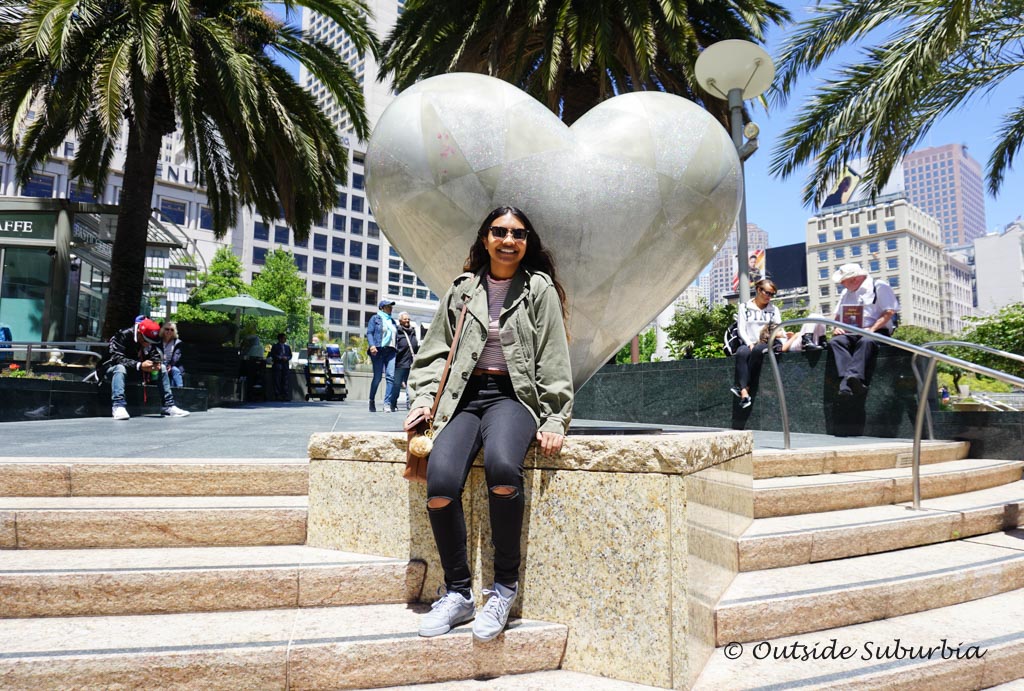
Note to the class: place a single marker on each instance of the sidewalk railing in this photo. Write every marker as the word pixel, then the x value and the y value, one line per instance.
pixel 922 405
pixel 29 348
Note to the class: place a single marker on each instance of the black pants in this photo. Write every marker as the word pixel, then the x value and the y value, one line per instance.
pixel 748 364
pixel 280 373
pixel 854 357
pixel 489 416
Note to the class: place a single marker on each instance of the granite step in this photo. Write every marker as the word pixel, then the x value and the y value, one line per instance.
pixel 90 477
pixel 351 647
pixel 814 537
pixel 48 583
pixel 533 681
pixel 112 522
pixel 847 459
pixel 787 496
pixel 792 600
pixel 995 625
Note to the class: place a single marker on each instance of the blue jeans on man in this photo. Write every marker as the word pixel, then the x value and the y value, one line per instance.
pixel 401 378
pixel 116 375
pixel 383 366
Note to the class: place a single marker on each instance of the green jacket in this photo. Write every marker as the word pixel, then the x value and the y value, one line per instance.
pixel 532 339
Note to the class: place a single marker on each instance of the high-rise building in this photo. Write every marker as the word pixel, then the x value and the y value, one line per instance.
pixel 999 263
pixel 723 266
pixel 946 183
pixel 891 238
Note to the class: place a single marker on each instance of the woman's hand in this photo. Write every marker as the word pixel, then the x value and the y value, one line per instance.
pixel 550 443
pixel 415 417
pixel 838 332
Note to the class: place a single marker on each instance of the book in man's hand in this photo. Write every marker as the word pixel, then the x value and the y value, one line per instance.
pixel 852 315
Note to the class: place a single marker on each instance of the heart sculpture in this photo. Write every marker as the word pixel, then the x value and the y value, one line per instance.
pixel 633 200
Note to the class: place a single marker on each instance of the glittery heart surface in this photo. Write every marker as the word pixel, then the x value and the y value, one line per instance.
pixel 632 200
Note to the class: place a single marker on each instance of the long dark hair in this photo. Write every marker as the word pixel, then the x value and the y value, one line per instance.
pixel 536 258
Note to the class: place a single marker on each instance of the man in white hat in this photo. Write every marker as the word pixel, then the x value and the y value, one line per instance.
pixel 866 303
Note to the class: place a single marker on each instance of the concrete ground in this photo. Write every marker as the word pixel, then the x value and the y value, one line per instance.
pixel 265 430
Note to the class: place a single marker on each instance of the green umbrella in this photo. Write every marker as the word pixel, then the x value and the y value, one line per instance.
pixel 242 304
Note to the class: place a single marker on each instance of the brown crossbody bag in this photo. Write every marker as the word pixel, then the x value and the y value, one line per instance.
pixel 420 440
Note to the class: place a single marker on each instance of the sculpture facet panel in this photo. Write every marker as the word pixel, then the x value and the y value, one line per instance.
pixel 633 200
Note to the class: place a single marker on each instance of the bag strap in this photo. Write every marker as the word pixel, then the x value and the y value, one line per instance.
pixel 448 362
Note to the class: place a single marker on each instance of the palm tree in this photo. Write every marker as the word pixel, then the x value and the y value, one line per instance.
pixel 572 54
pixel 122 74
pixel 935 57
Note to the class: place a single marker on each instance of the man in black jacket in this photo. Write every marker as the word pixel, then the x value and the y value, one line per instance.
pixel 407 345
pixel 136 349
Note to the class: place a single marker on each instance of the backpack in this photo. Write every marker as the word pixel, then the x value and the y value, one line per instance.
pixel 732 339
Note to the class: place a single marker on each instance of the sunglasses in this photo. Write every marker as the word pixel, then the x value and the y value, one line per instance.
pixel 499 233
pixel 769 294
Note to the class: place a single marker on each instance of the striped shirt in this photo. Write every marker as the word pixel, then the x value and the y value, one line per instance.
pixel 491 356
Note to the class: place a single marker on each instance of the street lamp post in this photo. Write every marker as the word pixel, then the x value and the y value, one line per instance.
pixel 736 71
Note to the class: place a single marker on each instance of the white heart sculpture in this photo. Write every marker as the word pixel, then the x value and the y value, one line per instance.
pixel 633 200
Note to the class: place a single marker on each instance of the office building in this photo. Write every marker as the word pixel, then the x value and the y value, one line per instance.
pixel 999 264
pixel 957 291
pixel 723 266
pixel 946 183
pixel 891 238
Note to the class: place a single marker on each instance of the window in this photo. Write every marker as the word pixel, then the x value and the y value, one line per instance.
pixel 421 294
pixel 838 234
pixel 393 277
pixel 318 288
pixel 894 282
pixel 873 247
pixel 823 291
pixel 372 251
pixel 371 274
pixel 281 235
pixel 823 274
pixel 338 269
pixel 855 251
pixel 407 279
pixel 259 255
pixel 173 210
pixel 393 290
pixel 338 245
pixel 822 237
pixel 301 263
pixel 319 265
pixel 873 265
pixel 357 203
pixel 407 292
pixel 355 248
pixel 872 228
pixel 304 242
pixel 355 271
pixel 358 183
pixel 392 252
pixel 855 232
pixel 38 185
pixel 371 297
pixel 395 264
pixel 337 292
pixel 372 230
pixel 342 200
pixel 205 218
pixel 339 222
pixel 320 242
pixel 890 226
pixel 840 253
pixel 337 316
pixel 260 231
pixel 890 244
pixel 823 256
pixel 892 263
pixel 354 293
pixel 83 193
pixel 357 226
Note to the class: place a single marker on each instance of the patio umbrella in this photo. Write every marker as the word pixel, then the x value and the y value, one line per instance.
pixel 242 304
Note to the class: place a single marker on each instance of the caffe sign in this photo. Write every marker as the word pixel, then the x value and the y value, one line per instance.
pixel 17 227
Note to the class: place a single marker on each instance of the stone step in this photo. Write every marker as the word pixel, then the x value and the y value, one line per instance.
pixel 99 522
pixel 804 538
pixel 787 496
pixel 534 681
pixel 47 583
pixel 760 605
pixel 847 459
pixel 352 647
pixel 994 624
pixel 91 477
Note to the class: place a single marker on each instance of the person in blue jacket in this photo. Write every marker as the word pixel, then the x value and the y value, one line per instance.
pixel 381 336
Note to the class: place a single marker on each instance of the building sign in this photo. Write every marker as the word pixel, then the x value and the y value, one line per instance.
pixel 18 227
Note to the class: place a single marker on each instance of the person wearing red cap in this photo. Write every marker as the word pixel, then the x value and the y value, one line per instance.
pixel 136 348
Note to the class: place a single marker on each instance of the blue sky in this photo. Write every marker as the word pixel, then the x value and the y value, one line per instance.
pixel 775 205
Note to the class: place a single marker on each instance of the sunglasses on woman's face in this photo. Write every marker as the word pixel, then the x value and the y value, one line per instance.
pixel 769 294
pixel 499 233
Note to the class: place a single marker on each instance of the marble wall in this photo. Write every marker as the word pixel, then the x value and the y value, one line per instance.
pixel 627 540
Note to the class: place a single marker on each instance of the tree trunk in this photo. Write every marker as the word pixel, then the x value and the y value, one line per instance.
pixel 128 257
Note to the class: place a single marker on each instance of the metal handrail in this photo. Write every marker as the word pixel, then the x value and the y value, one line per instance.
pixel 931 345
pixel 922 404
pixel 29 346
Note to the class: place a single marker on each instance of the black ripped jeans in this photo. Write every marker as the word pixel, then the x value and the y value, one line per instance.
pixel 488 416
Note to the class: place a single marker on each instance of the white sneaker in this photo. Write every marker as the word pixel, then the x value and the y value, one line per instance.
pixel 121 413
pixel 174 411
pixel 494 615
pixel 451 610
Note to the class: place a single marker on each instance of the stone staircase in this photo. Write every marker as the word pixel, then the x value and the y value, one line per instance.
pixel 194 574
pixel 843 585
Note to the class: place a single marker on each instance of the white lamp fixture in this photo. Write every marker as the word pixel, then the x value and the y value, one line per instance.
pixel 736 71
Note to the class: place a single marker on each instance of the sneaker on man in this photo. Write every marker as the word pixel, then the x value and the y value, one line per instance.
pixel 121 413
pixel 174 411
pixel 494 615
pixel 450 610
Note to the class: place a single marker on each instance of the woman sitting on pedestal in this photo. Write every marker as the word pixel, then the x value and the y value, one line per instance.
pixel 510 384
